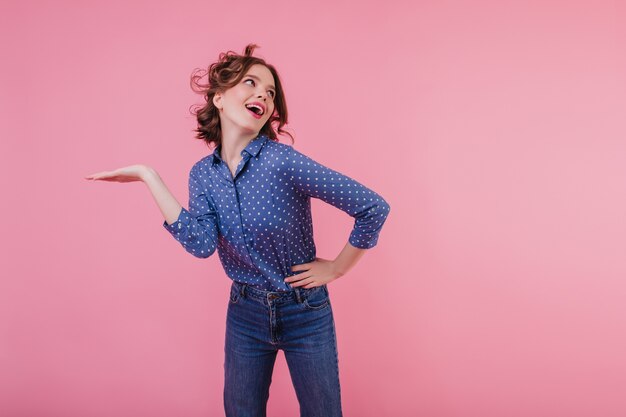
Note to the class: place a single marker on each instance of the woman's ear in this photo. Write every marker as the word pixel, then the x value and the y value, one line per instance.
pixel 217 101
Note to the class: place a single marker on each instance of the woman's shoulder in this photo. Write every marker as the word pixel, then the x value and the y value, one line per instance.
pixel 282 150
pixel 277 150
pixel 202 165
pixel 276 146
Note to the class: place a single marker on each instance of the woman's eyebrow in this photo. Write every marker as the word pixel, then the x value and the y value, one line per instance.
pixel 258 79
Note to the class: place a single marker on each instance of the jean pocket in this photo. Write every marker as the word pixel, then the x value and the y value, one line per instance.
pixel 317 299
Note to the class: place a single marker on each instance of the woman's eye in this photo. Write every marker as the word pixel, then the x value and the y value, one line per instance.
pixel 272 93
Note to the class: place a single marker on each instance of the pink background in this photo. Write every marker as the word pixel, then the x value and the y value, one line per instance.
pixel 495 130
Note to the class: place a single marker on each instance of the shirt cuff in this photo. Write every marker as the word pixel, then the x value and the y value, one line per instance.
pixel 183 219
pixel 363 241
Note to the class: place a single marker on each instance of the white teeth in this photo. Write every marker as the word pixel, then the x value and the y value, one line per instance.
pixel 256 107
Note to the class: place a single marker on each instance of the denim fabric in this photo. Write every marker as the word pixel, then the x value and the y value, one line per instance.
pixel 300 322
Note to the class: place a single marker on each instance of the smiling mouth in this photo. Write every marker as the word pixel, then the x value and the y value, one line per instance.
pixel 253 114
pixel 256 109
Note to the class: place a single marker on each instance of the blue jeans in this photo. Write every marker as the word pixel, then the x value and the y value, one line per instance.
pixel 300 322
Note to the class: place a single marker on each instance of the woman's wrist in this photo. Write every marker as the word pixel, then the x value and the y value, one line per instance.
pixel 347 259
pixel 148 174
pixel 337 270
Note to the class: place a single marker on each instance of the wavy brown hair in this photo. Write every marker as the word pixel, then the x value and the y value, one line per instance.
pixel 222 75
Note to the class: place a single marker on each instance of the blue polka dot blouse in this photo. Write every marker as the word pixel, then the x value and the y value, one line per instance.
pixel 260 220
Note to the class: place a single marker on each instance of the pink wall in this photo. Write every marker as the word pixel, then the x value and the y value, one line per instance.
pixel 496 131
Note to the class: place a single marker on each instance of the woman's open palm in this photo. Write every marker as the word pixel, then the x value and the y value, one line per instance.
pixel 126 174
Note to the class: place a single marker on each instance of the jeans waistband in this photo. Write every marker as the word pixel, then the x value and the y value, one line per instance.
pixel 298 294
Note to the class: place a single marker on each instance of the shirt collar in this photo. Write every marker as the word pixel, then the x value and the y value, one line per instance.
pixel 252 148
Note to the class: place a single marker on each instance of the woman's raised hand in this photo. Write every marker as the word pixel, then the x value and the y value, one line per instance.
pixel 127 174
pixel 166 201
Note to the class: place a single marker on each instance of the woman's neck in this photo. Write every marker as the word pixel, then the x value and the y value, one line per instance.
pixel 233 144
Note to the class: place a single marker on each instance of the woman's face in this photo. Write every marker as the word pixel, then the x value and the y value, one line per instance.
pixel 248 105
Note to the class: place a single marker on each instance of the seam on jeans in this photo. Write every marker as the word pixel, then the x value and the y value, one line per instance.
pixel 336 362
pixel 236 294
pixel 320 307
pixel 273 329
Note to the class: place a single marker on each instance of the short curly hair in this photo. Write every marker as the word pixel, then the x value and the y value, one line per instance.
pixel 222 75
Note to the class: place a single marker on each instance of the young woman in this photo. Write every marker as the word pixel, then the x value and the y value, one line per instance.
pixel 250 200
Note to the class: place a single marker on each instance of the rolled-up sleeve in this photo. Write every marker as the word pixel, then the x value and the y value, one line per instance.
pixel 369 209
pixel 196 229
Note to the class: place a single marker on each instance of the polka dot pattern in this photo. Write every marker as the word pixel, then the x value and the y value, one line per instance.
pixel 260 221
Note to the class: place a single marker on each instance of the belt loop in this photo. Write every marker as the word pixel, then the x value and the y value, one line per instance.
pixel 243 290
pixel 298 297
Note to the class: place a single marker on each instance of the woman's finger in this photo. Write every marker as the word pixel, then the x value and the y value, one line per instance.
pixel 126 174
pixel 301 267
pixel 302 282
pixel 92 176
pixel 298 277
pixel 99 175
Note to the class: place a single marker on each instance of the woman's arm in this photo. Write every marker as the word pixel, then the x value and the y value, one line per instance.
pixel 368 208
pixel 348 257
pixel 166 201
pixel 322 271
pixel 195 229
